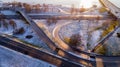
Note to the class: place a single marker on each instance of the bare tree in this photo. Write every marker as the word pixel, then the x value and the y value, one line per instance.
pixel 5 24
pixel 72 9
pixel 82 9
pixel 19 4
pixel 45 7
pixel 13 24
pixel 37 7
pixel 27 7
pixel 75 40
pixel 49 21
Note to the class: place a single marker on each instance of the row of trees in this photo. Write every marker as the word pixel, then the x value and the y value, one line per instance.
pixel 74 10
pixel 5 24
pixel 81 9
pixel 11 24
pixel 29 7
pixel 36 8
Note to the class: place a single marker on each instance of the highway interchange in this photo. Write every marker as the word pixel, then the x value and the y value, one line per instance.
pixel 60 49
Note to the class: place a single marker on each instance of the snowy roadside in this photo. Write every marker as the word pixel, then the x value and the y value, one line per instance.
pixel 85 28
pixel 25 33
pixel 10 58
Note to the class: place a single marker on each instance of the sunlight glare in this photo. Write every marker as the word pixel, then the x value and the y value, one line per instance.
pixel 86 3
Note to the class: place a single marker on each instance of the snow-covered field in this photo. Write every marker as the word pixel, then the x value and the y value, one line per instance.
pixel 15 59
pixel 10 58
pixel 90 30
pixel 8 12
pixel 84 28
pixel 27 34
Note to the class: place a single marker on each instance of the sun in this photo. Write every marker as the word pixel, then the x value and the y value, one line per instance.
pixel 86 3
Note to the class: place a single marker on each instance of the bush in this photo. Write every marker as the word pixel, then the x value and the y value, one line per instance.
pixel 102 10
pixel 82 9
pixel 66 40
pixel 5 24
pixel 101 50
pixel 49 21
pixel 13 24
pixel 111 27
pixel 19 31
pixel 75 40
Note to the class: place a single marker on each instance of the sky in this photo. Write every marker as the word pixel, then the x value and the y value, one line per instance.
pixel 56 2
pixel 47 1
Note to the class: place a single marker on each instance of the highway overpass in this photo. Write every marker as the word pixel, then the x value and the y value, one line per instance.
pixel 112 7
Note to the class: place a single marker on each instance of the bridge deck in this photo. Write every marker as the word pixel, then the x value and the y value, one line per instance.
pixel 37 53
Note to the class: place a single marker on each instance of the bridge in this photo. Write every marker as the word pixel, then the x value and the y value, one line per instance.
pixel 58 17
pixel 116 12
pixel 111 7
pixel 54 16
pixel 60 51
pixel 37 53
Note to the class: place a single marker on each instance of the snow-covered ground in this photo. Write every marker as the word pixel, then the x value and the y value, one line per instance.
pixel 112 45
pixel 85 28
pixel 90 30
pixel 10 58
pixel 14 59
pixel 46 26
pixel 27 34
pixel 8 12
